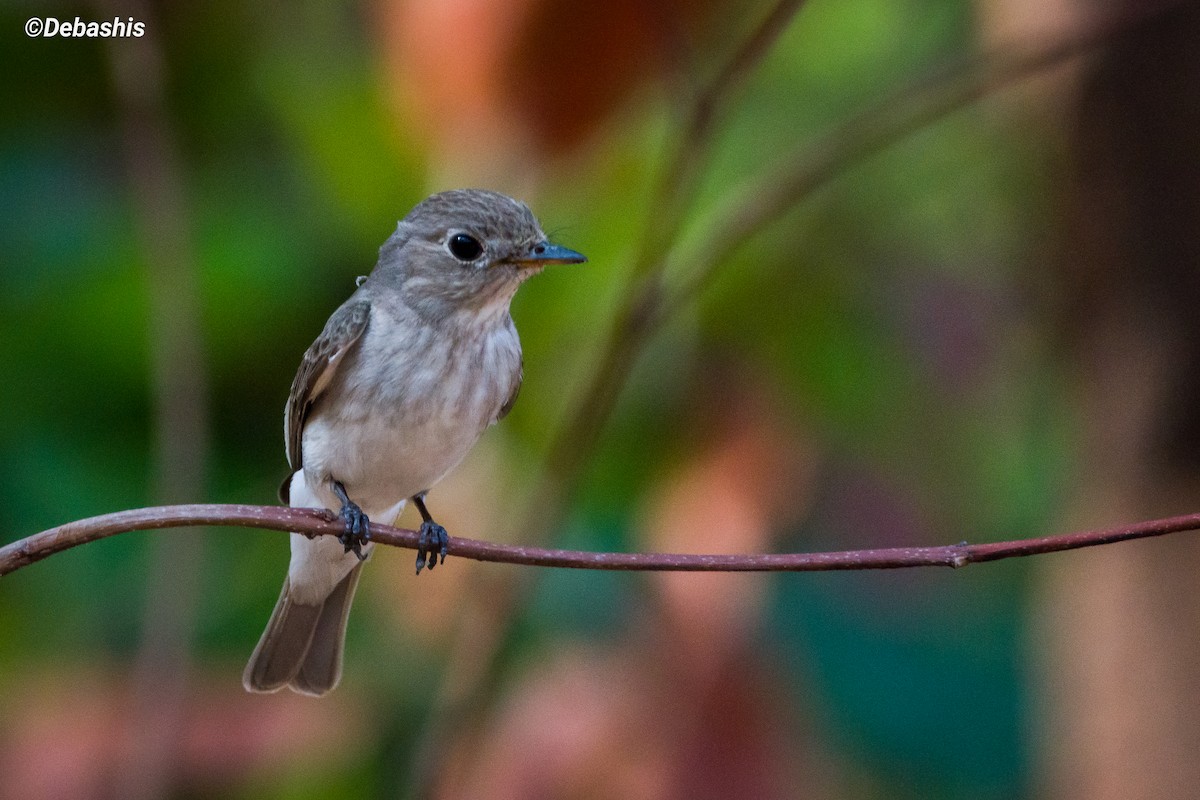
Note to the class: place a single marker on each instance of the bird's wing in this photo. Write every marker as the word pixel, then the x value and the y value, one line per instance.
pixel 317 368
pixel 512 398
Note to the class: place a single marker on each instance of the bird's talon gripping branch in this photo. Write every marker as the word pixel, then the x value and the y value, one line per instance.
pixel 358 526
pixel 432 541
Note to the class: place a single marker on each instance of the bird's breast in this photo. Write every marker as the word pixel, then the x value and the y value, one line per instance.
pixel 409 406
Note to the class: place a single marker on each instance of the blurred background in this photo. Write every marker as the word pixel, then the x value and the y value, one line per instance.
pixel 986 330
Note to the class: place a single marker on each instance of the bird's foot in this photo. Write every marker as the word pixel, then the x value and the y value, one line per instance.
pixel 432 541
pixel 358 529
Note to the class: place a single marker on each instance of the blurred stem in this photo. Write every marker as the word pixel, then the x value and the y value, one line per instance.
pixel 651 304
pixel 180 402
pixel 785 184
pixel 677 187
pixel 635 319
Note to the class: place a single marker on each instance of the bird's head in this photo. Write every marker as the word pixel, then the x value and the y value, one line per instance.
pixel 466 250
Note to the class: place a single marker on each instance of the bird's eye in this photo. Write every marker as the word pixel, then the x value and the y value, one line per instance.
pixel 464 247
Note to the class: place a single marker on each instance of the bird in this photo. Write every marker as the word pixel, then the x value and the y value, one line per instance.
pixel 398 387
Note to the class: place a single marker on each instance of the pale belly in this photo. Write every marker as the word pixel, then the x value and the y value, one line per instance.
pixel 391 432
pixel 383 458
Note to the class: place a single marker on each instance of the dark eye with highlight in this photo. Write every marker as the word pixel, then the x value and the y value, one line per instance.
pixel 464 247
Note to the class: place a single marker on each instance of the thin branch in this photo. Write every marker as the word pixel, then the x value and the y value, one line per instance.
pixel 761 200
pixel 324 523
pixel 633 321
pixel 739 67
pixel 790 181
pixel 675 191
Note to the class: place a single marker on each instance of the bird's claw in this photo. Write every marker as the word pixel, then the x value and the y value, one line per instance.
pixel 432 542
pixel 358 529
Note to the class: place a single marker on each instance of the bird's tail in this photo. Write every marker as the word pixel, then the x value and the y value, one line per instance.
pixel 302 645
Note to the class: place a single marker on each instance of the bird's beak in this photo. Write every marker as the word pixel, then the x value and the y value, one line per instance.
pixel 545 253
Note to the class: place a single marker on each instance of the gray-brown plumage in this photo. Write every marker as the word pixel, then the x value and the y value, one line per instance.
pixel 403 380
